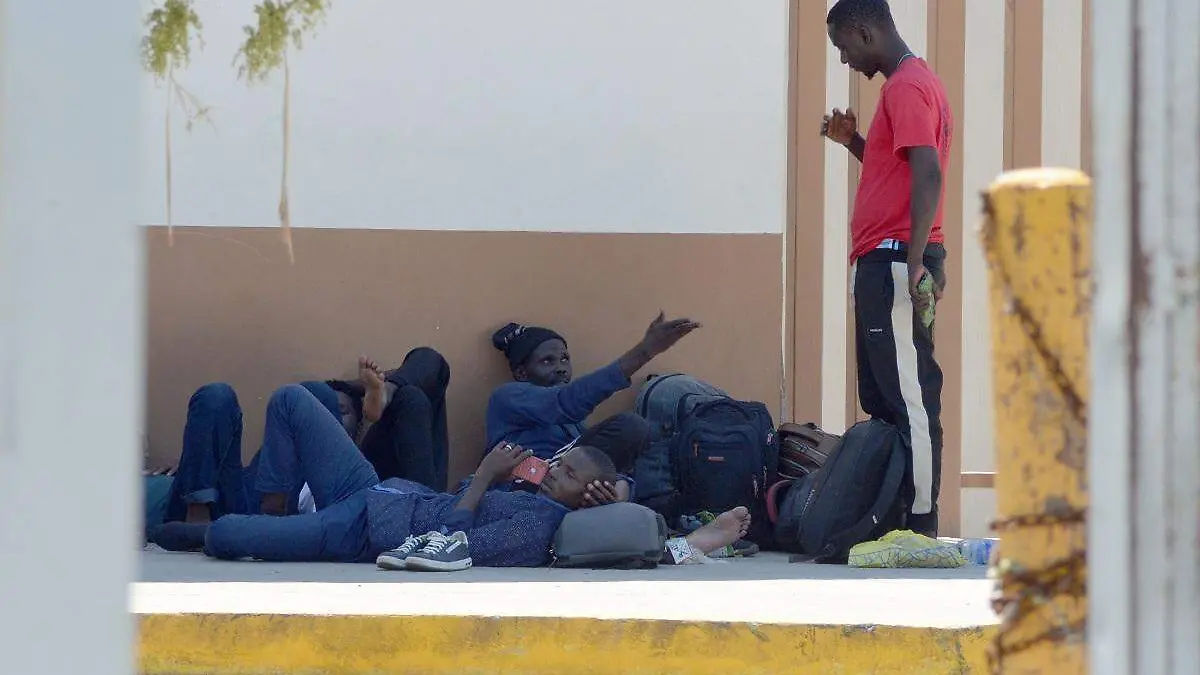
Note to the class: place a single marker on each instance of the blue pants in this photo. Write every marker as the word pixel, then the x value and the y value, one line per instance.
pixel 303 442
pixel 210 465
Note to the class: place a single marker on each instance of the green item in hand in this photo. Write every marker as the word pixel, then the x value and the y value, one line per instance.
pixel 925 288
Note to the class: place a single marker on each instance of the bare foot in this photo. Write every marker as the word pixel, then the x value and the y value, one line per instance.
pixel 726 529
pixel 198 513
pixel 274 504
pixel 375 398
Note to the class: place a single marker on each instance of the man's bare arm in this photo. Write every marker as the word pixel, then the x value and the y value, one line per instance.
pixel 857 146
pixel 926 193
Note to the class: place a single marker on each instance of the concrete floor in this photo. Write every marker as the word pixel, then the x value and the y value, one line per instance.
pixel 763 589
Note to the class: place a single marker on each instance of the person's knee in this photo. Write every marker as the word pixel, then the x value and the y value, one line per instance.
pixel 630 424
pixel 427 356
pixel 423 367
pixel 214 398
pixel 287 396
pixel 622 437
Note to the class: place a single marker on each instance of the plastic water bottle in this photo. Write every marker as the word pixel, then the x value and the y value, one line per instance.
pixel 976 551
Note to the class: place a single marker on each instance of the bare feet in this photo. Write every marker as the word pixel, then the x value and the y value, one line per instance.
pixel 375 398
pixel 199 513
pixel 726 529
pixel 274 504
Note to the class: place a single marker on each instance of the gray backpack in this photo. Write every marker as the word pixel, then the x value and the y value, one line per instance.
pixel 616 536
pixel 664 400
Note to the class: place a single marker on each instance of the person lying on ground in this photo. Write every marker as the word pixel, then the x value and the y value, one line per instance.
pixel 544 409
pixel 358 517
pixel 210 480
pixel 403 430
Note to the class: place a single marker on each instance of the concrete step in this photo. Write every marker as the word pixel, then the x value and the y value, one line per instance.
pixel 754 617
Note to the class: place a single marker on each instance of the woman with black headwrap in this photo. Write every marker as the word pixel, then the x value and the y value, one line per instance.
pixel 543 409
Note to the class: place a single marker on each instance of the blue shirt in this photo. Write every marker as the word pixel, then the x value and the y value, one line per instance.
pixel 545 419
pixel 507 529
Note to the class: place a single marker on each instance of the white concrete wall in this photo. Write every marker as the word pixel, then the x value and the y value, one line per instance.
pixel 71 321
pixel 540 115
pixel 835 284
pixel 982 140
pixel 1062 82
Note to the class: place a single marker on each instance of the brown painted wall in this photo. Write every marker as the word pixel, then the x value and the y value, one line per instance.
pixel 947 40
pixel 224 305
pixel 806 208
pixel 1023 78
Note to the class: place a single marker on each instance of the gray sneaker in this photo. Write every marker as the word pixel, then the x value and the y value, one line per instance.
pixel 397 558
pixel 441 554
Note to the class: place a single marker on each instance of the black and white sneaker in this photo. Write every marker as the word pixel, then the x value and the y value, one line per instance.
pixel 441 553
pixel 397 558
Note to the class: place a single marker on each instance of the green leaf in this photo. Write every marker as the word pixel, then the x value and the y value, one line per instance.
pixel 279 22
pixel 172 29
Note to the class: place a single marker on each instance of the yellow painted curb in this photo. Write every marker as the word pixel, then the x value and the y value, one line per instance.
pixel 183 644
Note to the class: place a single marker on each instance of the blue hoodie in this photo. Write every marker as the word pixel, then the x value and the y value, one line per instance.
pixel 545 419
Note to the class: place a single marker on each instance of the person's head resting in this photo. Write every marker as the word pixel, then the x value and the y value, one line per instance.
pixel 535 355
pixel 567 481
pixel 864 32
pixel 349 404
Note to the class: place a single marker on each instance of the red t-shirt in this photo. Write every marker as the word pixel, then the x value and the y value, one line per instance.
pixel 913 112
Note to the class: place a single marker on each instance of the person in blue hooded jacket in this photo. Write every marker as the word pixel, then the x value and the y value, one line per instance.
pixel 544 408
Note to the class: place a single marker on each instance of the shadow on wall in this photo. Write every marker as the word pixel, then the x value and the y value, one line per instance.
pixel 224 304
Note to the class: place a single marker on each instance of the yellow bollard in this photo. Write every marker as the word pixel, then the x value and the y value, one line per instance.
pixel 1037 238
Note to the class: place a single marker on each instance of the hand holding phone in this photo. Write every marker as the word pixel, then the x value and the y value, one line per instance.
pixel 531 470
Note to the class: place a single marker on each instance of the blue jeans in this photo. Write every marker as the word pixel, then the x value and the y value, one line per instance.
pixel 210 465
pixel 303 442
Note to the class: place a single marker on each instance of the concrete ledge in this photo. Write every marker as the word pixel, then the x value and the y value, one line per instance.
pixel 423 645
pixel 754 617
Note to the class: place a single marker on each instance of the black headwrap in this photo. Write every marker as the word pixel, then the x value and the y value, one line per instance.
pixel 518 341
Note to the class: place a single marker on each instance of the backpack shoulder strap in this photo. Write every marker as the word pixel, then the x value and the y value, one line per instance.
pixel 647 389
pixel 859 532
pixel 887 497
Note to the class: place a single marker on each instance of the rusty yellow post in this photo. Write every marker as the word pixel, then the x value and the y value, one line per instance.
pixel 1037 238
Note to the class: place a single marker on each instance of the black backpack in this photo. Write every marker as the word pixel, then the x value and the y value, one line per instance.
pixel 855 497
pixel 708 451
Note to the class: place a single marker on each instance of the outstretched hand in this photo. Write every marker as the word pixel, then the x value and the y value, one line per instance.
pixel 662 334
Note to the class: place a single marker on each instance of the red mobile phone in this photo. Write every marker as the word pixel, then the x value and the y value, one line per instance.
pixel 531 470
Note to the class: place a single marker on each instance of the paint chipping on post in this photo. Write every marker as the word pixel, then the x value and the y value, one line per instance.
pixel 1037 243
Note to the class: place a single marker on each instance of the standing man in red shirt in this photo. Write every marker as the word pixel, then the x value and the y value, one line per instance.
pixel 896 230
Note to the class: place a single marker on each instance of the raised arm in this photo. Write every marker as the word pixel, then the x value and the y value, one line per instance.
pixel 496 465
pixel 521 540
